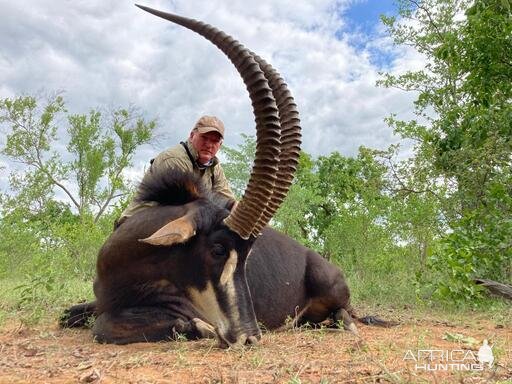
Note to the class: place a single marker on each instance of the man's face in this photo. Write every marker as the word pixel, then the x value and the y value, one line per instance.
pixel 206 144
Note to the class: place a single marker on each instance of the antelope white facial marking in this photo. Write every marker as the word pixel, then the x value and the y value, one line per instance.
pixel 208 305
pixel 228 283
pixel 229 268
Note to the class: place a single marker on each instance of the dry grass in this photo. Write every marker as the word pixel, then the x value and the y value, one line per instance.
pixel 47 354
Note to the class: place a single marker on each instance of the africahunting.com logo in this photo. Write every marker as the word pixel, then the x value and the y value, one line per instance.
pixel 451 360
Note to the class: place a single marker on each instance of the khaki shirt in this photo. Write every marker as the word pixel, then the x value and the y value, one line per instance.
pixel 212 176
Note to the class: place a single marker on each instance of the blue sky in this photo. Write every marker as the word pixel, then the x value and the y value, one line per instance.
pixel 363 24
pixel 365 14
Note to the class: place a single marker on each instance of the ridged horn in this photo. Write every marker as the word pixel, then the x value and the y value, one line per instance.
pixel 290 141
pixel 268 130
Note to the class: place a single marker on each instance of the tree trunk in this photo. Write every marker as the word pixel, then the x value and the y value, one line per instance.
pixel 498 289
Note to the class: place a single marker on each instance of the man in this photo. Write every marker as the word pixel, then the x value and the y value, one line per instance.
pixel 197 155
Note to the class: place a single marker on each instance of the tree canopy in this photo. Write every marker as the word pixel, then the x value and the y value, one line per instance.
pixel 88 169
pixel 464 96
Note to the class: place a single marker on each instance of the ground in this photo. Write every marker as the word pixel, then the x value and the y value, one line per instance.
pixel 407 353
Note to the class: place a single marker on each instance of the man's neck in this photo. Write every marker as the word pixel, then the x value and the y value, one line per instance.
pixel 201 165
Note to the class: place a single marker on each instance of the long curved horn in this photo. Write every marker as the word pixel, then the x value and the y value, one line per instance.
pixel 290 141
pixel 268 130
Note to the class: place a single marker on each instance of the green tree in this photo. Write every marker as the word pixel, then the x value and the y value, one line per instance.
pixel 295 215
pixel 238 164
pixel 45 242
pixel 464 139
pixel 415 211
pixel 98 151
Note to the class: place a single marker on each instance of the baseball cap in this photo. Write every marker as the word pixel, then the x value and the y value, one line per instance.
pixel 209 124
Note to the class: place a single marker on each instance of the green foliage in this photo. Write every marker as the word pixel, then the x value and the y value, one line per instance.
pixel 54 236
pixel 43 254
pixel 36 291
pixel 100 148
pixel 480 245
pixel 463 145
pixel 238 164
pixel 44 242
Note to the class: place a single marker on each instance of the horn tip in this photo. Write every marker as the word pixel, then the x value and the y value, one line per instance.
pixel 144 8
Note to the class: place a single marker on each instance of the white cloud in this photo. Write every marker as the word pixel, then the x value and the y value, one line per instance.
pixel 112 53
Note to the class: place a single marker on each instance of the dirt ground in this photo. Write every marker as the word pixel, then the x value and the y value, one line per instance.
pixel 416 351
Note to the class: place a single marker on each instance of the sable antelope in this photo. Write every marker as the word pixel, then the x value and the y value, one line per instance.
pixel 190 266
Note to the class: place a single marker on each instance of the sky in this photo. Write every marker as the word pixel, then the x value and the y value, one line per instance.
pixel 104 54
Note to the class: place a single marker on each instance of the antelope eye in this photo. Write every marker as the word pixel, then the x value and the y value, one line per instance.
pixel 218 250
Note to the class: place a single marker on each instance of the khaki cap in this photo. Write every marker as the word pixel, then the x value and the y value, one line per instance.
pixel 210 124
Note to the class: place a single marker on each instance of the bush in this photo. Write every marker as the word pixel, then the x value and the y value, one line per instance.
pixel 479 246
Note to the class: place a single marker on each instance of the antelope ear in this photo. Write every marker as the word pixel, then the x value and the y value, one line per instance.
pixel 176 232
